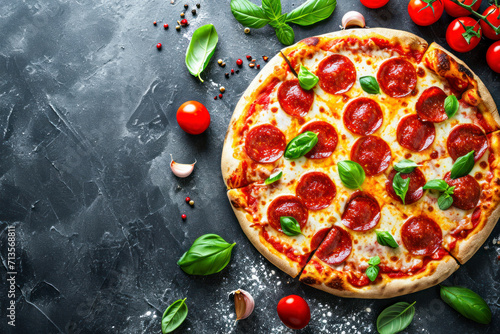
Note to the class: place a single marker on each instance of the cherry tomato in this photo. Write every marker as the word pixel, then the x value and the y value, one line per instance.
pixel 493 56
pixel 193 117
pixel 374 3
pixel 422 13
pixel 492 14
pixel 456 11
pixel 294 312
pixel 455 34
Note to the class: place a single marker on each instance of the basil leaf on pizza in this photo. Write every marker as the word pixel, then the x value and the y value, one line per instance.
pixel 436 184
pixel 463 165
pixel 400 186
pixel 307 79
pixel 405 166
pixel 351 174
pixel 385 238
pixel 290 226
pixel 311 11
pixel 395 318
pixel 451 106
pixel 273 177
pixel 249 14
pixel 369 84
pixel 373 269
pixel 444 201
pixel 300 145
pixel 467 303
pixel 174 316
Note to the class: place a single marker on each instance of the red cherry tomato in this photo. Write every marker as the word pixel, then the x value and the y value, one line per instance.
pixel 456 11
pixel 455 34
pixel 374 3
pixel 294 312
pixel 422 13
pixel 193 117
pixel 492 14
pixel 493 56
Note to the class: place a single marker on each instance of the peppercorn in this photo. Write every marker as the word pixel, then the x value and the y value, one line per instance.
pixel 215 97
pixel 237 71
pixel 193 12
pixel 219 61
pixel 154 23
pixel 249 57
pixel 178 27
pixel 239 62
pixel 254 60
pixel 198 5
pixel 258 66
pixel 188 199
pixel 252 65
pixel 223 64
pixel 232 71
pixel 165 26
pixel 191 202
pixel 227 75
pixel 183 216
pixel 265 58
pixel 220 96
pixel 186 5
pixel 247 30
pixel 222 89
pixel 158 46
pixel 182 14
pixel 184 22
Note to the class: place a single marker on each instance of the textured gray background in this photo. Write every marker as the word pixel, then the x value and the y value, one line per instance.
pixel 87 126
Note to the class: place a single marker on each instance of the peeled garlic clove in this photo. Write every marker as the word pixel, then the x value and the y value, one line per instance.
pixel 243 304
pixel 353 19
pixel 181 170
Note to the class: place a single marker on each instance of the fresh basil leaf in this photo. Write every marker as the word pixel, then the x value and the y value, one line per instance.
pixel 174 316
pixel 369 84
pixel 273 177
pixel 463 165
pixel 467 303
pixel 372 272
pixel 200 49
pixel 249 14
pixel 374 261
pixel 272 8
pixel 450 105
pixel 290 226
pixel 400 186
pixel 405 166
pixel 436 184
pixel 444 201
pixel 384 238
pixel 311 11
pixel 351 174
pixel 300 145
pixel 208 255
pixel 450 190
pixel 395 318
pixel 284 33
pixel 307 79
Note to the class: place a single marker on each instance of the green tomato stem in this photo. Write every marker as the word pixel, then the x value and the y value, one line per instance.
pixel 476 14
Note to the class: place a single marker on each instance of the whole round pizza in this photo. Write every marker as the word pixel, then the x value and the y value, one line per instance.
pixel 379 179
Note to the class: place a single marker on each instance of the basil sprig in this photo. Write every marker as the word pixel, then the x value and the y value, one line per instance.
pixel 400 186
pixel 273 177
pixel 290 226
pixel 385 238
pixel 405 166
pixel 373 269
pixel 462 166
pixel 200 49
pixel 307 79
pixel 395 318
pixel 444 200
pixel 369 84
pixel 451 105
pixel 467 303
pixel 174 316
pixel 300 145
pixel 351 174
pixel 254 16
pixel 208 255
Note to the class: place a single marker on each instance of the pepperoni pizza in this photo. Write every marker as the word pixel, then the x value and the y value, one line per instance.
pixel 350 187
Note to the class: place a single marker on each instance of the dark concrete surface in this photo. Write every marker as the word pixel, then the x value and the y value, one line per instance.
pixel 87 126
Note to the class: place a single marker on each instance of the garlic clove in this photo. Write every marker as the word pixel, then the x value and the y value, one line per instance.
pixel 353 19
pixel 181 170
pixel 243 304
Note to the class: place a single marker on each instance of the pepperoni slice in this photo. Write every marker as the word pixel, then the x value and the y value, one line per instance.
pixel 286 206
pixel 415 191
pixel 295 100
pixel 465 138
pixel 336 73
pixel 361 212
pixel 372 153
pixel 318 237
pixel 265 143
pixel 316 190
pixel 466 193
pixel 397 77
pixel 415 135
pixel 336 247
pixel 363 116
pixel 327 139
pixel 430 105
pixel 421 236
